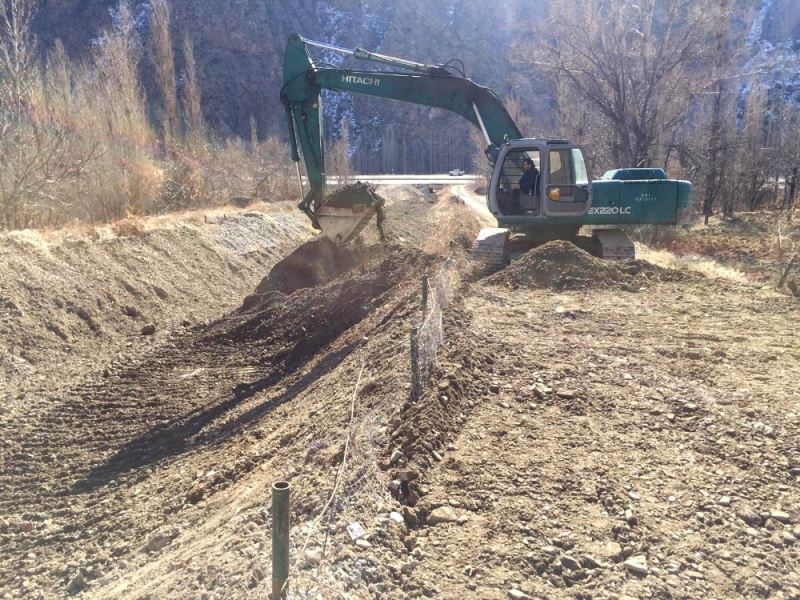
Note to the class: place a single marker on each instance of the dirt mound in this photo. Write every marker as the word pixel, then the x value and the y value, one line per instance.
pixel 311 264
pixel 316 313
pixel 560 265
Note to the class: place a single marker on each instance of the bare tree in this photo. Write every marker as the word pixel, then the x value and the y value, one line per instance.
pixel 714 148
pixel 36 154
pixel 17 53
pixel 164 62
pixel 338 161
pixel 629 61
pixel 253 135
pixel 192 111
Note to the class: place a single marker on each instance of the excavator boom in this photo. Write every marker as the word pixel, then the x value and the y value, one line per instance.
pixel 429 85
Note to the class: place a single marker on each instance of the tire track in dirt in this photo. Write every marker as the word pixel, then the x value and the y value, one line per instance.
pixel 96 468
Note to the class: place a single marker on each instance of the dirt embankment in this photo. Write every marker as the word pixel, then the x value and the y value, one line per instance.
pixel 756 245
pixel 67 306
pixel 561 265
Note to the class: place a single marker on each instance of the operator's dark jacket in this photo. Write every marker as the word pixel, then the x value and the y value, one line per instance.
pixel 529 181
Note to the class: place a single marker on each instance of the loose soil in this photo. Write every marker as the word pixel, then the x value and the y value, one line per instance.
pixel 560 265
pixel 578 439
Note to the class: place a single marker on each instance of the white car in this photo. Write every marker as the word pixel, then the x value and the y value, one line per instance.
pixel 456 173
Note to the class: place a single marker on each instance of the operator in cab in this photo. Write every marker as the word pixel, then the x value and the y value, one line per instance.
pixel 527 186
pixel 530 178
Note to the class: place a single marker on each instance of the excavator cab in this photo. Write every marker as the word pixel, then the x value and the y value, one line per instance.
pixel 562 186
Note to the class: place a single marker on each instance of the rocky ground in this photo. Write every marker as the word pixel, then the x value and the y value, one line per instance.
pixel 590 431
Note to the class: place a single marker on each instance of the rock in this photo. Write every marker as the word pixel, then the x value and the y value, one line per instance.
pixel 750 517
pixel 630 518
pixel 788 538
pixel 131 311
pixel 394 485
pixel 363 544
pixel 95 572
pixel 780 516
pixel 396 456
pixel 149 329
pixel 407 475
pixel 396 517
pixel 694 574
pixel 514 594
pixel 410 517
pixel 550 550
pixel 157 542
pixel 409 567
pixel 637 565
pixel 443 514
pixel 794 471
pixel 567 394
pixel 313 556
pixel 196 494
pixel 589 562
pixel 570 563
pixel 355 530
pixel 76 585
pixel 724 501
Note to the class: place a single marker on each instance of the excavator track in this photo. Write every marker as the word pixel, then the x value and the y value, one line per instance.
pixel 613 244
pixel 490 248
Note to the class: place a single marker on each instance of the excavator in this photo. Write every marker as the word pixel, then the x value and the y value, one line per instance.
pixel 562 199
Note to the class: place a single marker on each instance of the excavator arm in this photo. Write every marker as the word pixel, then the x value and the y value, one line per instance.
pixel 437 86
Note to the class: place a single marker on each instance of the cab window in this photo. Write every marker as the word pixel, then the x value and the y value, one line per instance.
pixel 560 168
pixel 510 198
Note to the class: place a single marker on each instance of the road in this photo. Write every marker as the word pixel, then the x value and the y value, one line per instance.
pixel 436 178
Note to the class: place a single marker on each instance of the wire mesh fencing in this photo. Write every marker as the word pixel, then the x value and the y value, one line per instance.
pixel 360 487
pixel 429 336
pixel 359 493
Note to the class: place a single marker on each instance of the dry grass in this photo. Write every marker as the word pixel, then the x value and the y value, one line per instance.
pixel 77 144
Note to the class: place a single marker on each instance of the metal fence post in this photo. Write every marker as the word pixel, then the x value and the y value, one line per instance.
pixel 280 539
pixel 425 286
pixel 415 379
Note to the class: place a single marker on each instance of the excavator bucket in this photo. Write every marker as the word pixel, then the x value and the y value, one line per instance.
pixel 345 212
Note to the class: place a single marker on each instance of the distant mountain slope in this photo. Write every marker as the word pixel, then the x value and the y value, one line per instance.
pixel 239 48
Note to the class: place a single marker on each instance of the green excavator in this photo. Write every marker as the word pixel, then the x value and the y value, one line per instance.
pixel 553 203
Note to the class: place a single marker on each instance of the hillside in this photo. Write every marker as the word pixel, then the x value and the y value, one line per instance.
pixel 239 48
